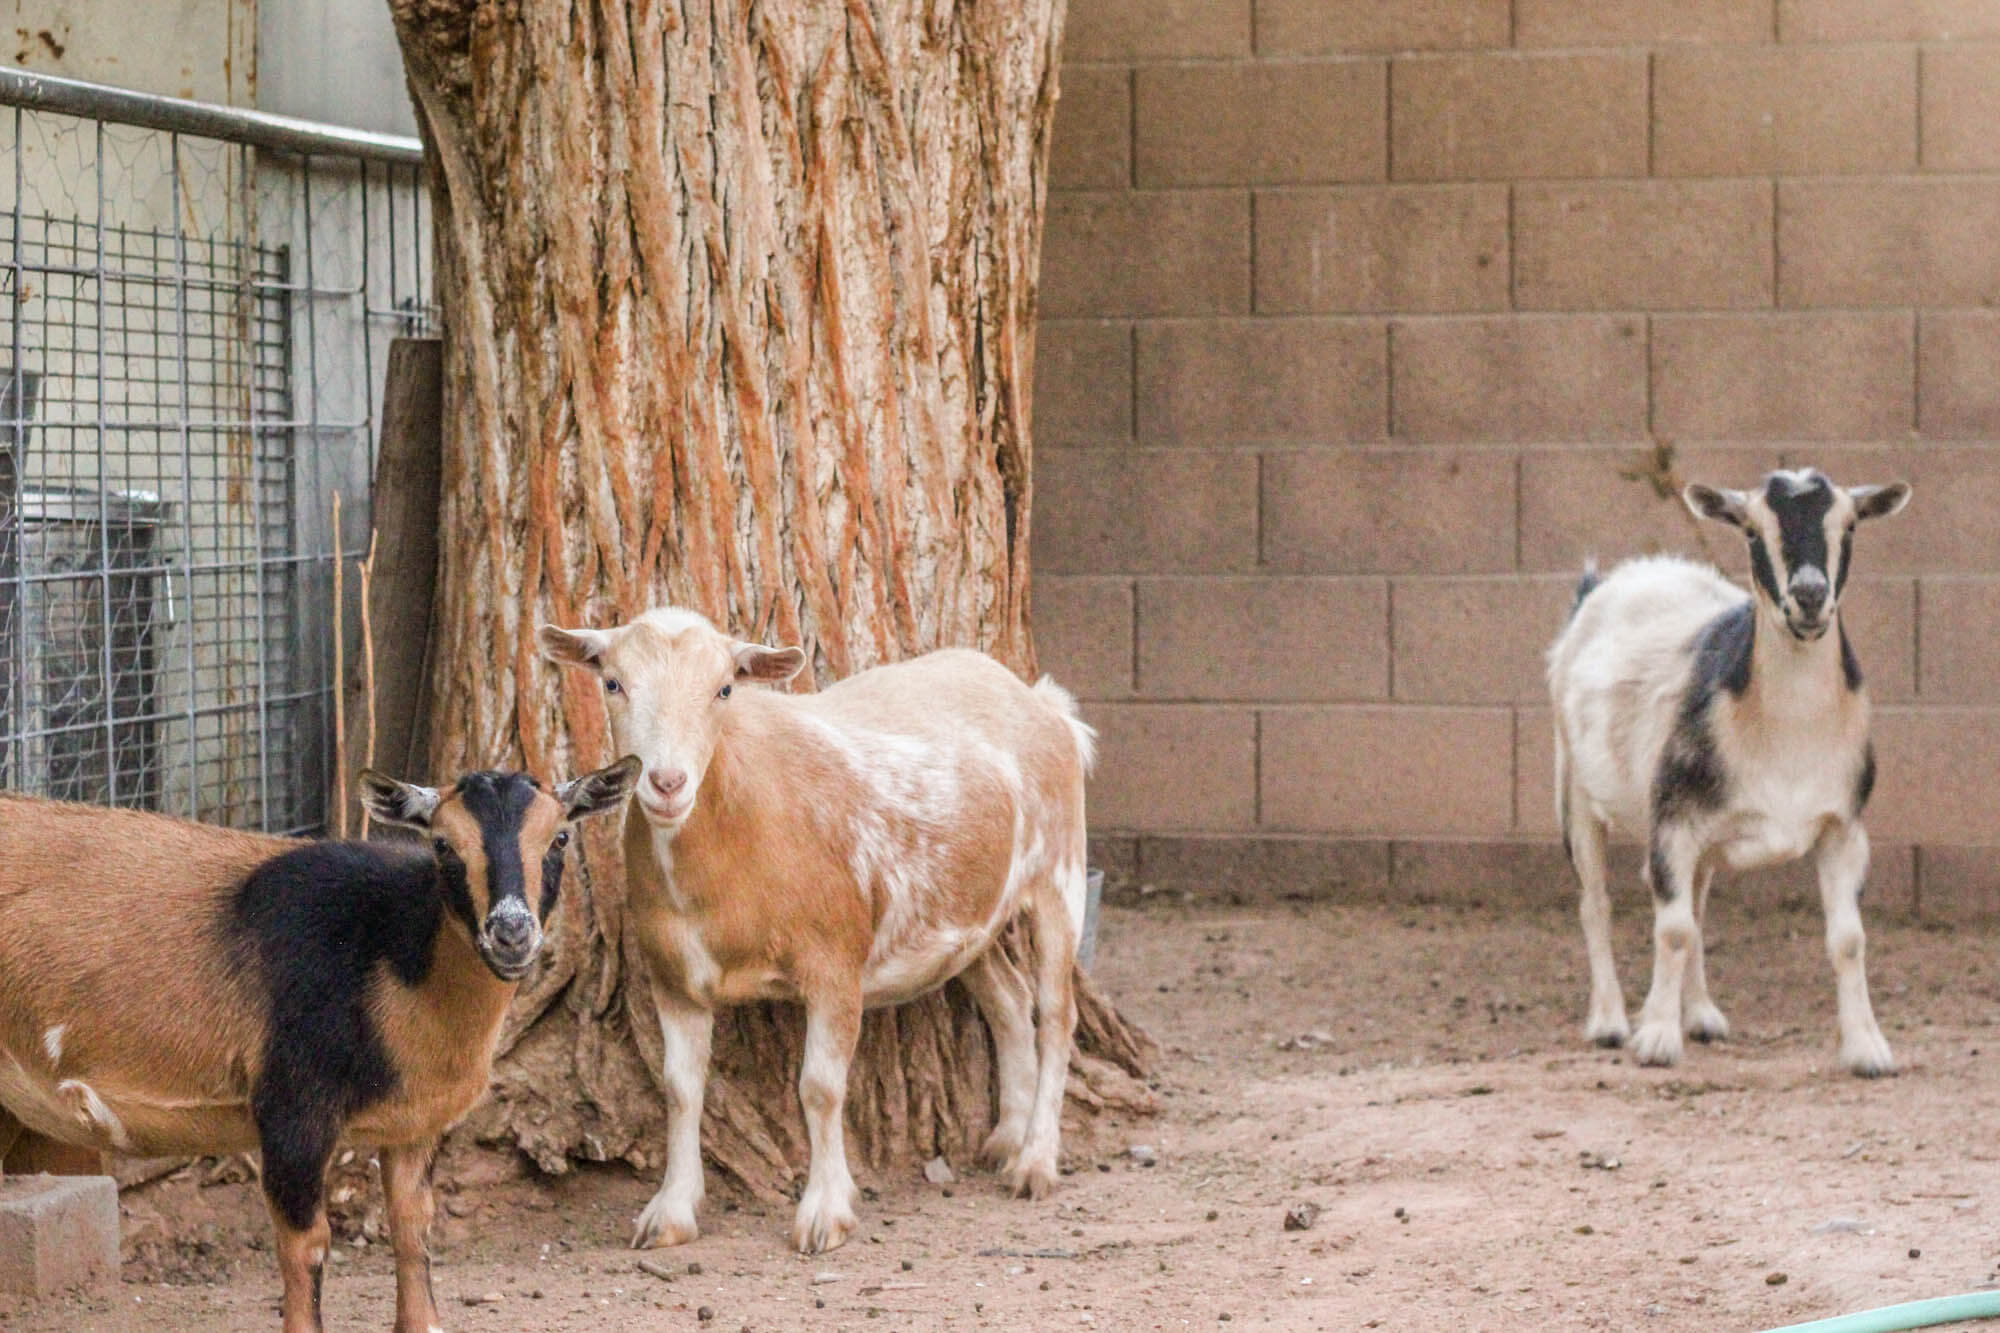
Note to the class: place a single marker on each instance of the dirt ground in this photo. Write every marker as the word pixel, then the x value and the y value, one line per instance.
pixel 1417 1074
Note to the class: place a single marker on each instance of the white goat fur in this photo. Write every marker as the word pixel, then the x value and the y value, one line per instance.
pixel 849 849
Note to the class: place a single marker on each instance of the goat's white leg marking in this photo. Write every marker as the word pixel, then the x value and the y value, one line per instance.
pixel 52 1042
pixel 1657 1041
pixel 1001 993
pixel 1843 867
pixel 1700 1018
pixel 826 1210
pixel 1034 1172
pixel 687 1030
pixel 91 1112
pixel 1606 1025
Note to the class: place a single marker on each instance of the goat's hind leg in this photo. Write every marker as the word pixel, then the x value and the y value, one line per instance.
pixel 1001 993
pixel 1034 1172
pixel 1700 1018
pixel 406 1185
pixel 1584 836
pixel 1843 868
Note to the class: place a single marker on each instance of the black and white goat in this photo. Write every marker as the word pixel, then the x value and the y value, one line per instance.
pixel 1730 731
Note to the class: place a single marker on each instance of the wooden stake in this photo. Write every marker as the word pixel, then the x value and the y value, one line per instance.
pixel 368 660
pixel 339 681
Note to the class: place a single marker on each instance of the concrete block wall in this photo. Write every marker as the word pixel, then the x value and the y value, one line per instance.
pixel 1364 322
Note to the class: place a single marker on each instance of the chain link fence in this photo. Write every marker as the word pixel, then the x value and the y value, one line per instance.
pixel 199 302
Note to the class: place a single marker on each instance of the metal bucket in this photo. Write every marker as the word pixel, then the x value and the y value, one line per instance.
pixel 1093 898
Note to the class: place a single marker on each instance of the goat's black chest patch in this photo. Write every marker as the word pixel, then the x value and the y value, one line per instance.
pixel 1691 778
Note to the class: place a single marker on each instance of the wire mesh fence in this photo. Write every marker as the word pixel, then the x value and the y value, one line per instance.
pixel 190 371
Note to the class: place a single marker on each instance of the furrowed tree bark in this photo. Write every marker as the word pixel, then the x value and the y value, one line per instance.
pixel 739 314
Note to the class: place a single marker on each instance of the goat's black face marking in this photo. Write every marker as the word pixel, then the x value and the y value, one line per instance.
pixel 1803 582
pixel 510 935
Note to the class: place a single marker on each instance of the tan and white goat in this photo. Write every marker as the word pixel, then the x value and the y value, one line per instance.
pixel 847 849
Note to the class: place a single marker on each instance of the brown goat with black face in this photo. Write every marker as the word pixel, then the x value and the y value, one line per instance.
pixel 167 987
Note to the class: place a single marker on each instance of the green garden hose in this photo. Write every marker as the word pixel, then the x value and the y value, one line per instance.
pixel 1915 1314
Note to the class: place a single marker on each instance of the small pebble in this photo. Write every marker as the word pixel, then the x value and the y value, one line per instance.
pixel 819 1303
pixel 1212 1214
pixel 694 1270
pixel 704 1314
pixel 1916 1254
pixel 1402 1214
pixel 1775 1279
pixel 1045 1284
pixel 484 1298
pixel 1586 1230
pixel 908 1264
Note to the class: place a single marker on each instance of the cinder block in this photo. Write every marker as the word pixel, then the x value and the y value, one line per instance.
pixel 1947 528
pixel 1958 389
pixel 1389 511
pixel 1092 149
pixel 1157 30
pixel 1644 245
pixel 1106 511
pixel 1534 772
pixel 1960 626
pixel 1961 105
pixel 1764 110
pixel 1610 504
pixel 1476 641
pixel 1261 124
pixel 1264 867
pixel 1784 376
pixel 1886 20
pixel 1083 381
pixel 1880 617
pixel 1388 770
pixel 1263 638
pixel 1502 116
pixel 57 1232
pixel 1657 22
pixel 1524 875
pixel 1889 242
pixel 1323 380
pixel 1411 249
pixel 1169 252
pixel 1925 789
pixel 1960 885
pixel 1173 767
pixel 1341 27
pixel 1515 378
pixel 1083 633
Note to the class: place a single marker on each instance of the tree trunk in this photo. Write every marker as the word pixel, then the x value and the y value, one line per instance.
pixel 739 314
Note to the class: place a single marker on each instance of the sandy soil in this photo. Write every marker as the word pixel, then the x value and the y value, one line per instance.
pixel 1475 1164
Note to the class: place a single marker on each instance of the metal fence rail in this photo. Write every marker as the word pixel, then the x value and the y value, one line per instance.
pixel 198 300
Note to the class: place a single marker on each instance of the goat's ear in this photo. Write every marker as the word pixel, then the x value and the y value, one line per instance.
pixel 1879 501
pixel 1710 502
pixel 395 802
pixel 756 662
pixel 594 793
pixel 573 647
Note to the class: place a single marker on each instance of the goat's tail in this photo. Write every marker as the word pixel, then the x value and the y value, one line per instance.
pixel 1585 586
pixel 1064 703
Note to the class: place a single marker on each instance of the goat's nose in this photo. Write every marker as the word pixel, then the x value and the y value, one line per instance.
pixel 512 930
pixel 667 783
pixel 1809 590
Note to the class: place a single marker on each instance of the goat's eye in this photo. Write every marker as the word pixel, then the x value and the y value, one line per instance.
pixel 724 693
pixel 562 838
pixel 440 846
pixel 611 686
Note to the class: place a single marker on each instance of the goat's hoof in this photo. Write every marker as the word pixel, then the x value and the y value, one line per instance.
pixel 1656 1044
pixel 664 1222
pixel 1002 1146
pixel 1609 1033
pixel 818 1229
pixel 1032 1180
pixel 1705 1023
pixel 1868 1057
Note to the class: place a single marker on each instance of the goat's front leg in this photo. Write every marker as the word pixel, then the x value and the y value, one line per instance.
pixel 1700 1018
pixel 406 1183
pixel 1843 868
pixel 296 1151
pixel 688 1030
pixel 833 1027
pixel 1673 867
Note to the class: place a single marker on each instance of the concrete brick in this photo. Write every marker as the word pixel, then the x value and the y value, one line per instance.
pixel 1264 638
pixel 1762 110
pixel 1103 511
pixel 1601 504
pixel 1339 27
pixel 1647 245
pixel 1886 20
pixel 1948 527
pixel 1960 885
pixel 1784 376
pixel 1545 377
pixel 1388 770
pixel 1083 633
pixel 1248 869
pixel 1927 789
pixel 1958 393
pixel 1261 124
pixel 1959 627
pixel 1117 855
pixel 1476 641
pixel 57 1232
pixel 1176 252
pixel 1322 380
pixel 1418 248
pixel 1534 773
pixel 1367 511
pixel 1083 381
pixel 1092 149
pixel 1961 105
pixel 1501 116
pixel 1889 242
pixel 1166 767
pixel 1522 875
pixel 1656 22
pixel 1880 616
pixel 1157 30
